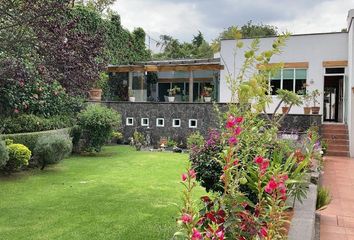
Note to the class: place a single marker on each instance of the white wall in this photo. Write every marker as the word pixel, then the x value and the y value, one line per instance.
pixel 351 80
pixel 312 48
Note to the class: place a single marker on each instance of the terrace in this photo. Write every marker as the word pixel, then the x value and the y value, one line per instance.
pixel 150 81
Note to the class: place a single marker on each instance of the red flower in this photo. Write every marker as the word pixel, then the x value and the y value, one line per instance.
pixel 264 166
pixel 186 218
pixel 210 216
pixel 258 160
pixel 263 232
pixel 271 186
pixel 192 173
pixel 239 119
pixel 196 234
pixel 235 162
pixel 206 199
pixel 184 177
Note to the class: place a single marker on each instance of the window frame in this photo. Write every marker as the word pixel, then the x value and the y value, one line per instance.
pixel 190 121
pixel 142 122
pixel 173 123
pixel 157 122
pixel 282 79
pixel 127 123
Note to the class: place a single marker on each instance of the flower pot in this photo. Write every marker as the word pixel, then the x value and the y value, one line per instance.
pixel 315 110
pixel 171 99
pixel 131 99
pixel 95 94
pixel 285 110
pixel 307 110
pixel 207 99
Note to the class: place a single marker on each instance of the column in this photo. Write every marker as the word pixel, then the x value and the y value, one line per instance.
pixel 191 86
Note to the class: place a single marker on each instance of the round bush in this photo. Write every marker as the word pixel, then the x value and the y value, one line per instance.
pixel 19 155
pixel 97 123
pixel 52 148
pixel 4 154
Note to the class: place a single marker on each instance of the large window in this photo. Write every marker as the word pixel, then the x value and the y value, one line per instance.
pixel 290 79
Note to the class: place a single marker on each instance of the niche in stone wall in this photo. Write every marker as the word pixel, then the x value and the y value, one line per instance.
pixel 176 122
pixel 144 122
pixel 193 123
pixel 129 121
pixel 160 122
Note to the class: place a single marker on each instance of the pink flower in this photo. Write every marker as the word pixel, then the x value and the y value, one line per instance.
pixel 196 234
pixel 264 165
pixel 271 186
pixel 237 131
pixel 16 110
pixel 184 177
pixel 186 218
pixel 220 234
pixel 263 232
pixel 232 140
pixel 192 173
pixel 231 122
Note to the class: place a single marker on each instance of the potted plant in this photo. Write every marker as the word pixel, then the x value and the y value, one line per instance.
pixel 131 96
pixel 207 94
pixel 306 97
pixel 289 99
pixel 95 93
pixel 314 95
pixel 172 93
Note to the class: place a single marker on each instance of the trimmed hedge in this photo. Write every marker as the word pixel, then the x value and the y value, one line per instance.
pixel 30 139
pixel 4 154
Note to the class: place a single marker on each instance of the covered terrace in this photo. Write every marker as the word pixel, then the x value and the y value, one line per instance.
pixel 150 81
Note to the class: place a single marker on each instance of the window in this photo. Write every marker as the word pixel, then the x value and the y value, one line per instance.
pixel 334 70
pixel 145 122
pixel 160 122
pixel 129 121
pixel 176 123
pixel 193 123
pixel 290 79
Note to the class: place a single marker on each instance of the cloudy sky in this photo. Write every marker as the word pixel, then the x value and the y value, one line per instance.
pixel 183 18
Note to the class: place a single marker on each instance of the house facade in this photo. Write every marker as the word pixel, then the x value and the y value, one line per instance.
pixel 322 61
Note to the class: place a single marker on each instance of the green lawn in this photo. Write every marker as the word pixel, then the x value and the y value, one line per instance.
pixel 118 194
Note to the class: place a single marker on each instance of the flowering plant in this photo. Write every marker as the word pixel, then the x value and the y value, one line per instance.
pixel 173 91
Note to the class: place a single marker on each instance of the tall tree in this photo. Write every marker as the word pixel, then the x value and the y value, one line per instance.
pixel 248 30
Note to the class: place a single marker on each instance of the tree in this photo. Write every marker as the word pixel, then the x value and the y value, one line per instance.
pixel 249 30
pixel 174 49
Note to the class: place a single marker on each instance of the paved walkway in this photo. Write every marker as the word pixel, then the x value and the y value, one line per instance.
pixel 337 220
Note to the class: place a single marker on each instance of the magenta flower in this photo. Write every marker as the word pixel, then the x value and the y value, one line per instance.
pixel 232 140
pixel 237 131
pixel 258 160
pixel 220 234
pixel 186 218
pixel 263 232
pixel 231 122
pixel 184 177
pixel 239 119
pixel 196 234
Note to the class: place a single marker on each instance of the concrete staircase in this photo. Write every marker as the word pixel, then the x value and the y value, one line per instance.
pixel 337 138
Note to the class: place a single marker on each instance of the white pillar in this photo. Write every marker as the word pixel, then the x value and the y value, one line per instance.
pixel 191 86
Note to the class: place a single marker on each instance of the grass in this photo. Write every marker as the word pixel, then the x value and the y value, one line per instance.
pixel 118 194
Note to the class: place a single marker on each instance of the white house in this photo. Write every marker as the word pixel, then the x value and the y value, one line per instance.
pixel 323 61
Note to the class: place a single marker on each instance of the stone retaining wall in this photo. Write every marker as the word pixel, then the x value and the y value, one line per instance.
pixel 204 114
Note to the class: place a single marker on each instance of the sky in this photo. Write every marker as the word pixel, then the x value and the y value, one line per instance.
pixel 184 18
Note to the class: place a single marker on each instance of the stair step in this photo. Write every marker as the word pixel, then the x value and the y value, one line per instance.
pixel 336 141
pixel 337 153
pixel 334 131
pixel 335 136
pixel 334 126
pixel 334 147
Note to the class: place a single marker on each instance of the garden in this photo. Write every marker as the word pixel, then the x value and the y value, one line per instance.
pixel 63 176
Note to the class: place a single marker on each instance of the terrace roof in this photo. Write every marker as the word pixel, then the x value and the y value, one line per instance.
pixel 185 65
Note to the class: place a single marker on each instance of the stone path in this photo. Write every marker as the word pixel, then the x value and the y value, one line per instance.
pixel 337 220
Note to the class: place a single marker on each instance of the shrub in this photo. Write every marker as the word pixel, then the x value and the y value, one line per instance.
pixel 52 148
pixel 19 155
pixel 97 123
pixel 75 134
pixel 30 139
pixel 31 123
pixel 4 153
pixel 171 143
pixel 138 140
pixel 195 139
pixel 323 197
